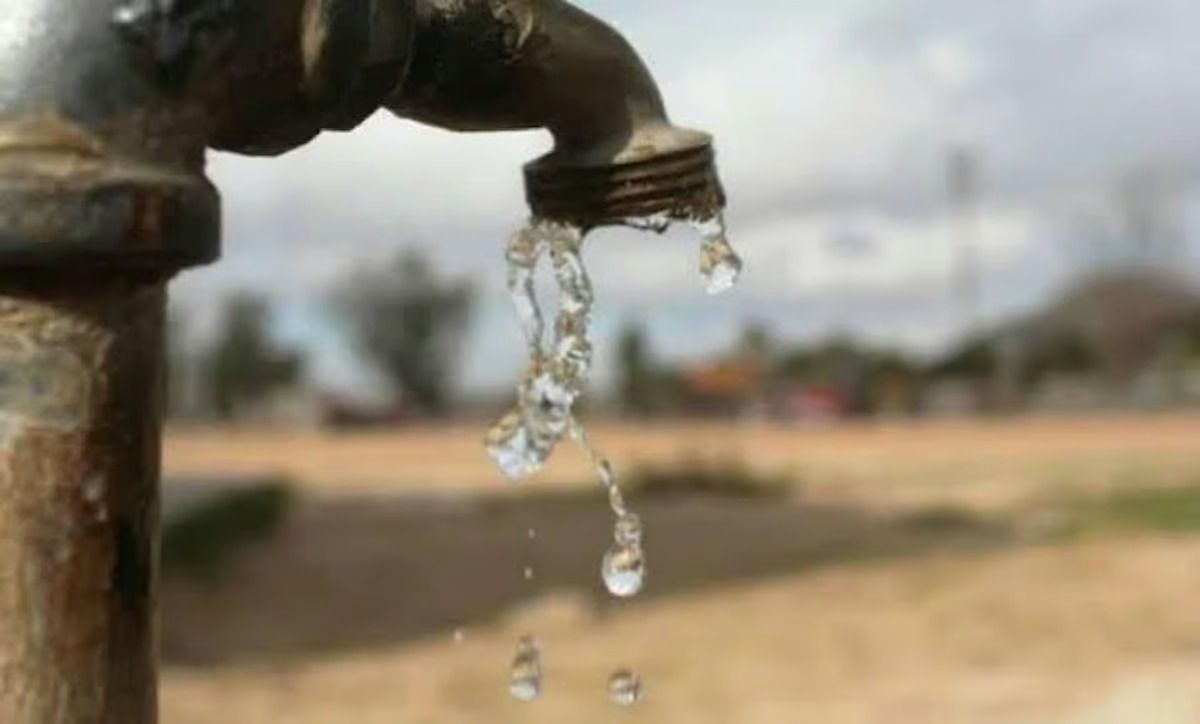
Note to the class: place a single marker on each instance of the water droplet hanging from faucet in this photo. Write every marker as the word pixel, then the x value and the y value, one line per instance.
pixel 720 265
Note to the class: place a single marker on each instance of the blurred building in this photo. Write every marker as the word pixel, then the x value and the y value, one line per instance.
pixel 1115 339
pixel 724 387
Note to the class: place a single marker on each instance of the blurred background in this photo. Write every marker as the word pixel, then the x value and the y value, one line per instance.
pixel 937 458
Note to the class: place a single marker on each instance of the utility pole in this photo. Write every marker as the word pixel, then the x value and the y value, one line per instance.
pixel 962 186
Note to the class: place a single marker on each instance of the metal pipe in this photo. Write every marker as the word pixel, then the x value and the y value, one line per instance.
pixel 81 371
pixel 484 65
pixel 487 65
pixel 106 110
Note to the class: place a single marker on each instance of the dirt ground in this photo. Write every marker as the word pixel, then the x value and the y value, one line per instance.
pixel 883 456
pixel 834 605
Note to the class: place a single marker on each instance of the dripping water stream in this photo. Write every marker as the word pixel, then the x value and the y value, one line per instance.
pixel 556 375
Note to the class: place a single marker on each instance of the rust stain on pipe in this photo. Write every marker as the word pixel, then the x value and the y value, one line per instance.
pixel 80 397
pixel 42 387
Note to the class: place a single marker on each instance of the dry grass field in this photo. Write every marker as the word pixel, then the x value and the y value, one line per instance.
pixel 941 572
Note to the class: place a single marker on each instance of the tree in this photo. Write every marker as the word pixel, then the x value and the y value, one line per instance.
pixel 244 365
pixel 756 347
pixel 410 324
pixel 635 373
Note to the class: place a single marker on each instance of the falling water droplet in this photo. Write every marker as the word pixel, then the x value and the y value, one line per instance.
pixel 624 570
pixel 525 679
pixel 624 688
pixel 532 534
pixel 529 574
pixel 720 265
pixel 508 443
pixel 628 530
pixel 459 635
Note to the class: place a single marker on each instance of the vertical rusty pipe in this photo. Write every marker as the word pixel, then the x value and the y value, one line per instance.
pixel 81 373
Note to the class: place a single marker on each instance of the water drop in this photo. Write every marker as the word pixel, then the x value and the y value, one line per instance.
pixel 459 635
pixel 532 534
pixel 720 265
pixel 508 443
pixel 657 223
pixel 525 679
pixel 628 530
pixel 624 688
pixel 529 574
pixel 624 570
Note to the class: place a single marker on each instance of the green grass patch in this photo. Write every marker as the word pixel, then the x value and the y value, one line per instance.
pixel 1165 510
pixel 201 539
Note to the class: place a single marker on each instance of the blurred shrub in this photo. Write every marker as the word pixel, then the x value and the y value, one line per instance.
pixel 730 479
pixel 244 365
pixel 201 538
pixel 410 324
pixel 941 519
pixel 1171 510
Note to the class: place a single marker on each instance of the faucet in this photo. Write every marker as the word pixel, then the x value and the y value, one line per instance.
pixel 512 64
pixel 107 108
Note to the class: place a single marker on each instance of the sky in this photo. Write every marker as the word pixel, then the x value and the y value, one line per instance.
pixel 833 120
